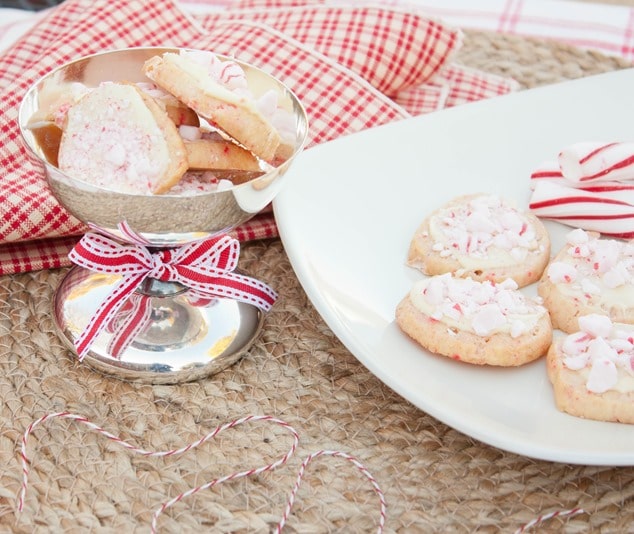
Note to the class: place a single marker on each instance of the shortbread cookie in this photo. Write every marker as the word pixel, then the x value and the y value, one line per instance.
pixel 481 237
pixel 54 100
pixel 219 154
pixel 589 275
pixel 591 370
pixel 118 138
pixel 475 322
pixel 217 90
pixel 175 109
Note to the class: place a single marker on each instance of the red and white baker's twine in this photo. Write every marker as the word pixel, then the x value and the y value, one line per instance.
pixel 545 517
pixel 590 186
pixel 234 476
pixel 204 266
pixel 240 474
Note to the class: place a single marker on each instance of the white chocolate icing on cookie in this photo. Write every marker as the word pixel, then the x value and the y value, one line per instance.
pixel 483 231
pixel 602 352
pixel 482 308
pixel 112 140
pixel 227 80
pixel 599 269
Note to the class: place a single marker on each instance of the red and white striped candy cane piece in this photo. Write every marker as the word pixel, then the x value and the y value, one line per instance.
pixel 548 170
pixel 173 452
pixel 547 194
pixel 550 173
pixel 584 162
pixel 603 212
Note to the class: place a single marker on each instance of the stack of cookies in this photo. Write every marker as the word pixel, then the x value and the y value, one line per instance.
pixel 196 119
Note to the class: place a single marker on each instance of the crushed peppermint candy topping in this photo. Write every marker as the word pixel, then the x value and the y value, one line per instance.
pixel 592 262
pixel 128 146
pixel 481 307
pixel 603 348
pixel 483 223
pixel 232 77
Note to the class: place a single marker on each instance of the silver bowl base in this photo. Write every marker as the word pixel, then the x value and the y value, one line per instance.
pixel 184 340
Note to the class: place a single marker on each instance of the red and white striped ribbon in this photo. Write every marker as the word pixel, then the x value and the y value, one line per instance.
pixel 130 320
pixel 205 266
pixel 234 476
pixel 590 186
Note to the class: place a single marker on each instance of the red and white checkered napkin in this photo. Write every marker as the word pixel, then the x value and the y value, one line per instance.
pixel 353 67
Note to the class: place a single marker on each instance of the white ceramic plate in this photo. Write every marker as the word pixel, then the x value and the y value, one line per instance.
pixel 350 207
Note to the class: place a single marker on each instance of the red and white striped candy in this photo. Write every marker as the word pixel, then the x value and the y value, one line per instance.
pixel 607 212
pixel 585 162
pixel 547 171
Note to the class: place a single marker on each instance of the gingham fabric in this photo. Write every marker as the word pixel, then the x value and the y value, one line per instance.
pixel 606 28
pixel 343 63
pixel 393 48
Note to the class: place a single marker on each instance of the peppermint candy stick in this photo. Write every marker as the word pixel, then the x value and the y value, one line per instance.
pixel 604 212
pixel 585 162
pixel 549 171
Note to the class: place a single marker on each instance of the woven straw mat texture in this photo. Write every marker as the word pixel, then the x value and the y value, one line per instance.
pixel 435 479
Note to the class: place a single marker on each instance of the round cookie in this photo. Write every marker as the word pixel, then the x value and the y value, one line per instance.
pixel 591 370
pixel 481 237
pixel 589 275
pixel 475 322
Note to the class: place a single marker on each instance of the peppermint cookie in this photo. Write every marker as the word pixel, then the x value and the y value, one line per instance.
pixel 482 237
pixel 117 137
pixel 591 370
pixel 589 276
pixel 475 322
pixel 218 91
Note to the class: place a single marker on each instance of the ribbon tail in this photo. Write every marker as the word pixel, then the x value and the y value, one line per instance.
pixel 127 325
pixel 229 285
pixel 106 312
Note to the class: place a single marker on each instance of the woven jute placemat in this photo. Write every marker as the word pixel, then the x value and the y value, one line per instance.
pixel 435 479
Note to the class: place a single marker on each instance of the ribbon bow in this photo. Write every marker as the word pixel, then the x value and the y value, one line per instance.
pixel 205 266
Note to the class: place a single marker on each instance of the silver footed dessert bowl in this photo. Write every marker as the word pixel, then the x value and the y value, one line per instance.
pixel 161 152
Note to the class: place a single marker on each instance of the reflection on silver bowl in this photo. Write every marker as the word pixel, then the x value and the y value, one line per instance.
pixel 163 220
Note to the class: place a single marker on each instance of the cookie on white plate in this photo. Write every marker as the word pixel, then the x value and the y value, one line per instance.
pixel 591 370
pixel 482 237
pixel 481 323
pixel 589 275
